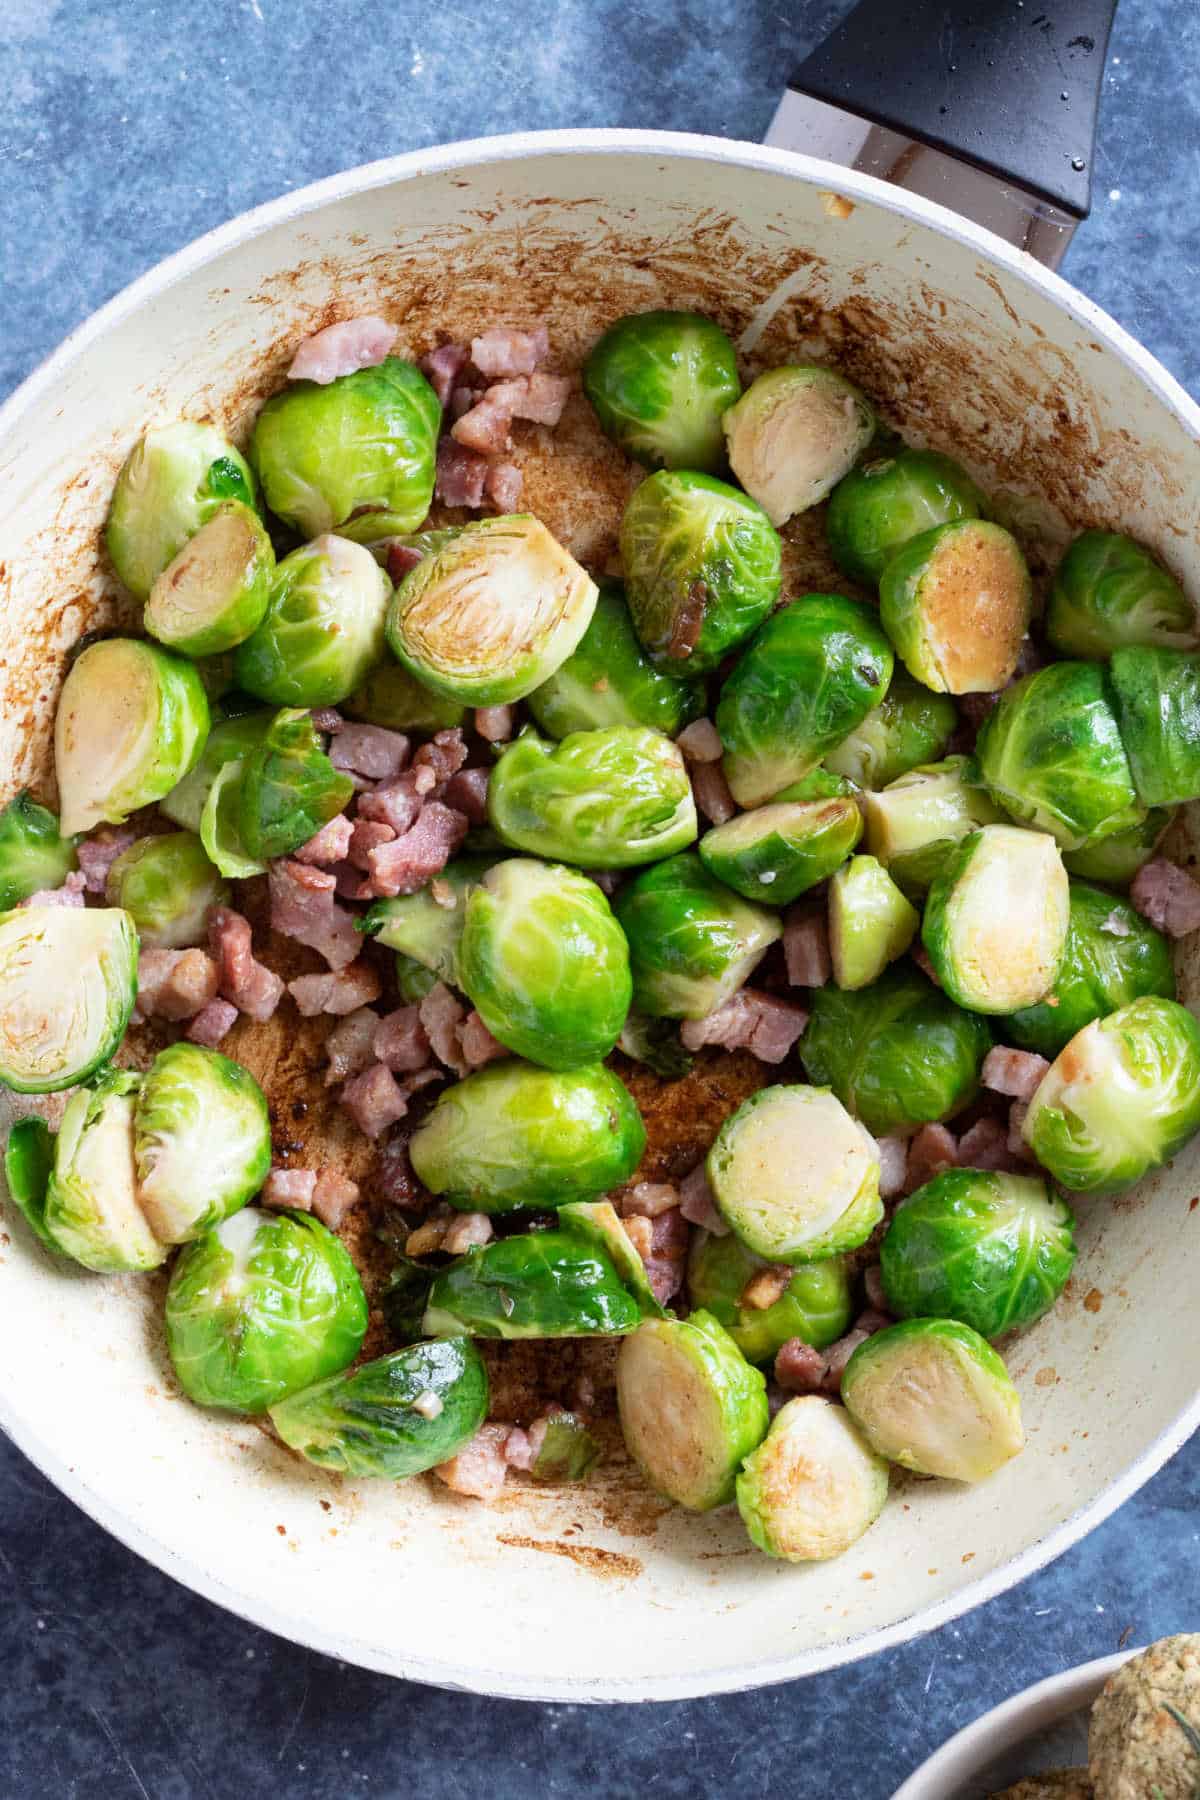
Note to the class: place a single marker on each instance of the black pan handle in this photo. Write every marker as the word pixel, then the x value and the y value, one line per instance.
pixel 1012 86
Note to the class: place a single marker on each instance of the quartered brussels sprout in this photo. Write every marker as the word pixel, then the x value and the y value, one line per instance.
pixel 214 593
pixel 416 926
pixel 870 922
pixel 68 981
pixel 1120 1100
pixel 1116 860
pixel 811 674
pixel 691 1407
pixel 131 722
pixel 794 434
pixel 288 788
pixel 494 613
pixel 1112 956
pixel 365 441
pixel 166 885
pixel 660 383
pixel 91 1208
pixel 202 1140
pixel 598 1224
pixel 323 629
pixel 171 484
pixel 779 851
pixel 1110 591
pixel 1051 755
pixel 814 1306
pixel 513 1135
pixel 609 680
pixel 33 855
pixel 702 568
pixel 391 1418
pixel 956 602
pixel 568 1451
pixel 814 1484
pixel 908 728
pixel 545 963
pixel 995 923
pixel 692 941
pixel 898 1054
pixel 28 1162
pixel 548 1284
pixel 261 1306
pixel 228 741
pixel 390 696
pixel 606 799
pixel 914 824
pixel 1157 700
pixel 887 501
pixel 933 1396
pixel 992 1250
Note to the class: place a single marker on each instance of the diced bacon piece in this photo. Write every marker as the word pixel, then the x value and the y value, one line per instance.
pixel 1017 1146
pixel 327 846
pixel 408 862
pixel 402 559
pixel 350 1046
pixel 519 1449
pixel 1016 1073
pixel 711 791
pixel 502 484
pixel 393 1180
pixel 98 853
pixel 799 1368
pixel 700 742
pixel 667 1261
pixel 465 1232
pixel 496 723
pixel 250 985
pixel 640 1233
pixel 749 1020
pixel 327 719
pixel 893 1163
pixel 303 907
pixel 806 946
pixel 442 1016
pixel 839 1354
pixel 929 1152
pixel 442 368
pixel 368 834
pixel 765 1287
pixel 374 1100
pixel 461 474
pixel 503 351
pixel 921 957
pixel 648 1199
pixel 477 1043
pixel 486 426
pixel 873 1284
pixel 466 793
pixel 290 1188
pixel 69 894
pixel 697 1205
pixel 426 1240
pixel 339 993
pixel 369 750
pixel 1166 895
pixel 544 398
pixel 175 984
pixel 342 349
pixel 974 708
pixel 607 880
pixel 444 754
pixel 212 1023
pixel 401 1042
pixel 465 396
pixel 395 804
pixel 479 1468
pixel 985 1146
pixel 333 1197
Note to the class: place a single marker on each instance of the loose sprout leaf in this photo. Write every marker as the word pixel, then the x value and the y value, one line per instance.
pixel 597 1223
pixel 228 741
pixel 202 1141
pixel 323 629
pixel 68 981
pixel 609 680
pixel 167 886
pixel 692 941
pixel 870 922
pixel 1116 860
pixel 92 1202
pixel 813 1486
pixel 887 501
pixel 815 1305
pixel 656 1043
pixel 914 823
pixel 547 1284
pixel 220 825
pixel 793 435
pixel 660 383
pixel 33 855
pixel 568 1450
pixel 1110 591
pixel 172 482
pixel 28 1161
pixel 1158 710
pixel 288 788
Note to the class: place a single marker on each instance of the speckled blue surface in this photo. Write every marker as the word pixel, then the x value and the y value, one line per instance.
pixel 126 129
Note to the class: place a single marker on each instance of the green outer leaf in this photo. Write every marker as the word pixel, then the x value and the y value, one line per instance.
pixel 202 1140
pixel 220 825
pixel 609 680
pixel 167 885
pixel 909 728
pixel 1110 591
pixel 405 1298
pixel 414 925
pixel 660 383
pixel 1116 860
pixel 568 1451
pixel 692 941
pixel 288 788
pixel 547 1284
pixel 1157 698
pixel 32 854
pixel 28 1160
pixel 228 741
pixel 597 1222
pixel 777 852
pixel 968 639
pixel 816 1304
pixel 887 500
pixel 656 1044
pixel 92 1210
pixel 323 631
pixel 173 479
pixel 84 959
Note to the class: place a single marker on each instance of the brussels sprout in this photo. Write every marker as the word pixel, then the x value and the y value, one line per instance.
pixel 364 441
pixel 214 593
pixel 813 1486
pixel 171 483
pixel 544 1285
pixel 166 885
pixel 413 979
pixel 794 1176
pixel 513 1135
pixel 323 629
pixel 545 964
pixel 1116 860
pixel 692 941
pixel 390 696
pixel 415 926
pixel 493 614
pixel 660 383
pixel 1120 1099
pixel 288 788
pixel 1110 591
pixel 28 1162
pixel 899 1054
pixel 1051 755
pixel 568 1451
pixel 1112 956
pixel 228 741
pixel 202 1140
pixel 933 1396
pixel 914 824
pixel 609 680
pixel 91 1206
pixel 131 722
pixel 32 854
pixel 779 851
pixel 702 568
pixel 691 1408
pixel 793 435
pixel 393 1417
pixel 1157 699
pixel 657 1044
pixel 992 1250
pixel 405 1298
pixel 887 501
pixel 908 728
pixel 260 1307
pixel 68 981
pixel 812 673
pixel 995 923
pixel 870 922
pixel 221 829
pixel 956 602
pixel 597 1222
pixel 606 799
pixel 814 1306
pixel 818 784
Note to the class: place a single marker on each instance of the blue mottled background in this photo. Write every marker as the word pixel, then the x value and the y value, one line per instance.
pixel 126 130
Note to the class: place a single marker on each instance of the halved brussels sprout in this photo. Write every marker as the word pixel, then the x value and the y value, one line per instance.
pixel 814 1306
pixel 702 568
pixel 568 1451
pixel 494 613
pixel 1112 956
pixel 32 853
pixel 794 1176
pixel 547 1284
pixel 202 1140
pixel 813 1486
pixel 1110 591
pixel 1116 860
pixel 260 1307
pixel 131 722
pixel 1051 755
pixel 811 674
pixel 660 383
pixel 995 923
pixel 221 827
pixel 870 922
pixel 288 788
pixel 28 1163
pixel 899 1054
pixel 513 1135
pixel 914 824
pixel 365 441
pixel 779 851
pixel 92 1209
pixel 545 963
pixel 323 629
pixel 933 1396
pixel 214 593
pixel 1120 1100
pixel 992 1250
pixel 68 981
pixel 1157 700
pixel 416 926
pixel 166 885
pixel 609 680
pixel 606 799
pixel 228 741
pixel 172 482
pixel 909 727
pixel 597 1222
pixel 793 435
pixel 692 941
pixel 956 602
pixel 390 696
pixel 887 501
pixel 391 1418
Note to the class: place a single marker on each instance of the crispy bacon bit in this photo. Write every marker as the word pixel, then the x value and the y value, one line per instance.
pixel 442 368
pixel 175 984
pixel 477 1043
pixel 350 1046
pixel 839 1354
pixel 700 742
pixel 291 1188
pixel 402 559
pixel 503 351
pixel 985 1146
pixel 544 398
pixel 426 1240
pixel 799 1368
pixel 250 985
pixel 485 427
pixel 479 1468
pixel 370 751
pixel 873 1284
pixel 212 1023
pixel 374 1100
pixel 502 484
pixel 640 1232
pixel 407 862
pixel 667 1261
pixel 1016 1136
pixel 400 1041
pixel 393 1180
pixel 520 1452
pixel 929 1152
pixel 303 907
pixel 711 791
pixel 496 723
pixel 441 1015
pixel 466 793
pixel 1166 895
pixel 465 1232
pixel 765 1287
pixel 1017 1073
pixel 342 349
pixel 333 1197
pixel 327 719
pixel 749 1020
pixel 69 894
pixel 327 846
pixel 648 1199
pixel 893 1163
pixel 339 993
pixel 367 835
pixel 445 754
pixel 697 1205
pixel 97 854
pixel 806 946
pixel 461 474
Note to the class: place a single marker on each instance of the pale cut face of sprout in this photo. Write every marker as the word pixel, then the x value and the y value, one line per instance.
pixel 92 1207
pixel 813 1486
pixel 933 1396
pixel 68 977
pixel 793 435
pixel 996 923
